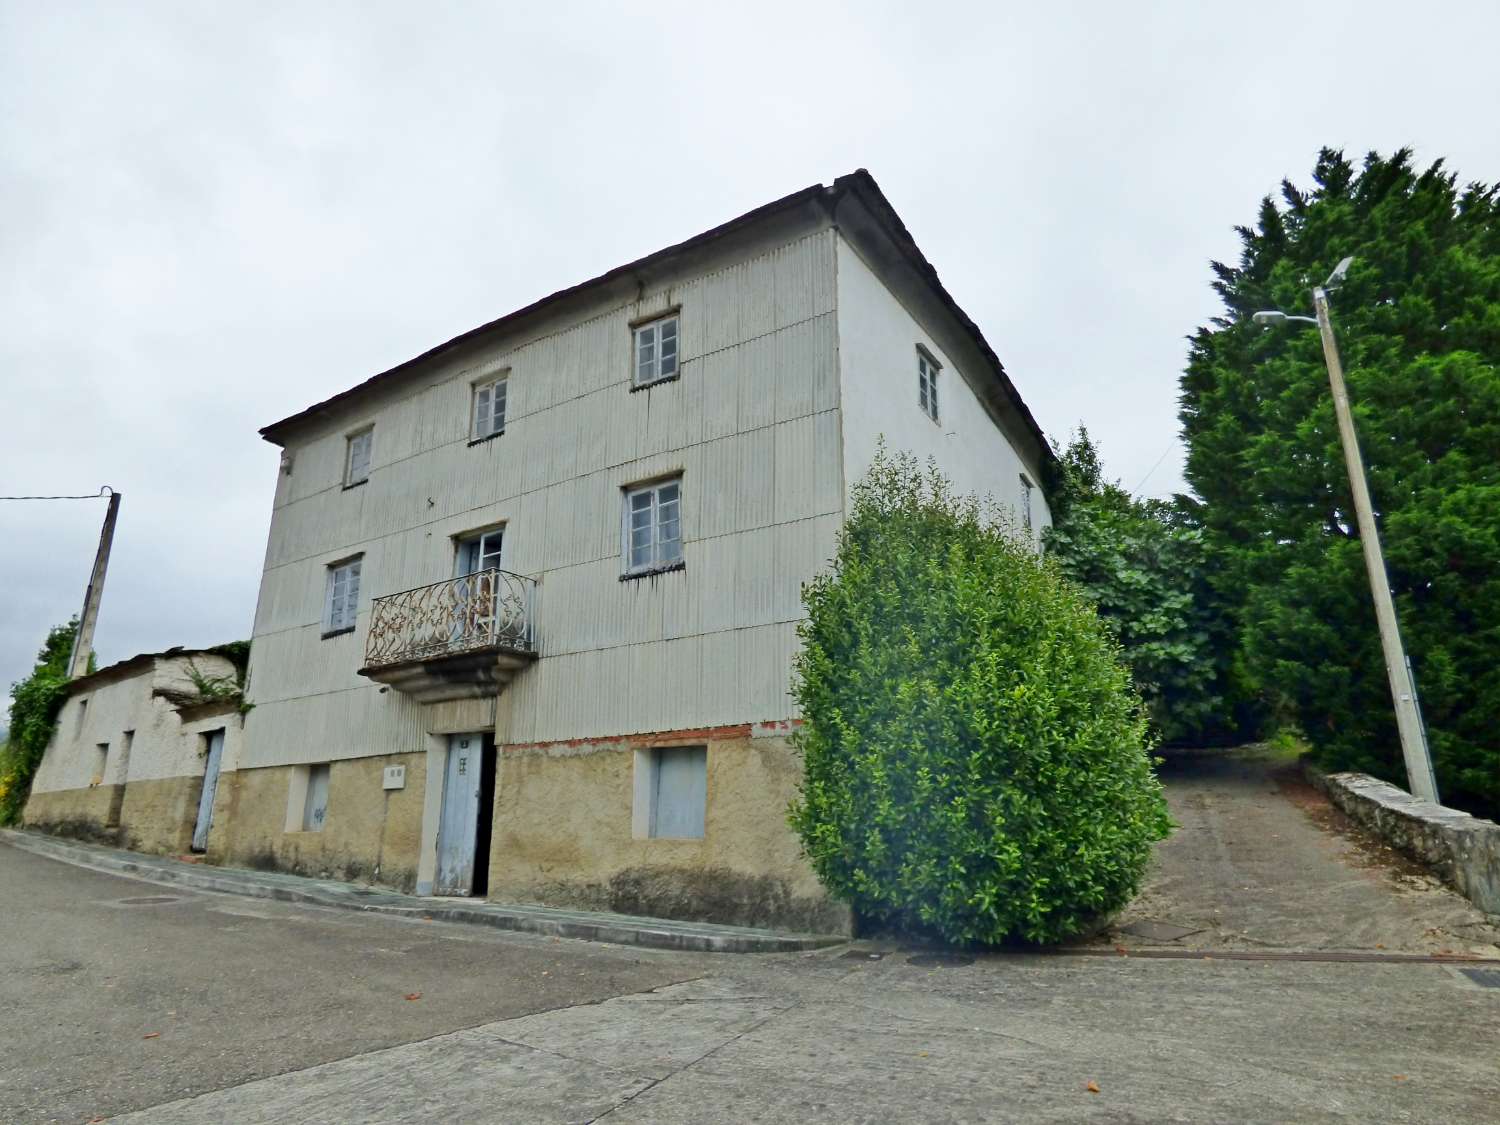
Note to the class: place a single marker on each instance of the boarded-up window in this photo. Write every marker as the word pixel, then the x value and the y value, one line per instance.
pixel 679 790
pixel 315 811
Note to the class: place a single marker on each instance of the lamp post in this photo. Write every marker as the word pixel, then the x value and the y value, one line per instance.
pixel 1403 691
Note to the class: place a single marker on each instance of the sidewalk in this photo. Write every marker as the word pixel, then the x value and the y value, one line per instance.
pixel 621 929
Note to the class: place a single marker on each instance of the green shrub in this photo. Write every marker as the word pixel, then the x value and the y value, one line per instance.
pixel 1143 565
pixel 35 702
pixel 976 759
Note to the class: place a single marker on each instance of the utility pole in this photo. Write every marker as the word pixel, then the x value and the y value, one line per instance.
pixel 83 642
pixel 1403 690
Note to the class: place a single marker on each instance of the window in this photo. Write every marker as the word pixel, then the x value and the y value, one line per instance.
pixel 489 409
pixel 341 604
pixel 653 527
pixel 357 457
pixel 927 384
pixel 671 790
pixel 655 351
pixel 480 553
pixel 1026 487
pixel 315 809
pixel 83 710
pixel 101 760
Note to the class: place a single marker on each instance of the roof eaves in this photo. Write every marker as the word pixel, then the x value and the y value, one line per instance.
pixel 140 662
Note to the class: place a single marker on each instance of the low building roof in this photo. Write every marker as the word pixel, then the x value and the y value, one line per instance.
pixel 859 184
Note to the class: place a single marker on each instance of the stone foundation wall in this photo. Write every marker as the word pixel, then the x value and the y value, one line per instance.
pixel 159 815
pixel 1462 850
pixel 371 835
pixel 80 813
pixel 564 835
pixel 155 816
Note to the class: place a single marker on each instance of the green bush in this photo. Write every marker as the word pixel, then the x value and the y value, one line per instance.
pixel 35 702
pixel 976 760
pixel 1144 566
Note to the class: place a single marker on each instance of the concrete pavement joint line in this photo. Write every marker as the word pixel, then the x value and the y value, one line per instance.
pixel 473 1030
pixel 774 1015
pixel 577 925
pixel 777 1013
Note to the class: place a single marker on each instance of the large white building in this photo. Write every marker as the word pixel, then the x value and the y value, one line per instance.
pixel 530 599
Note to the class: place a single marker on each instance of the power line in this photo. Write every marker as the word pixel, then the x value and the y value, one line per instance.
pixel 1154 467
pixel 103 492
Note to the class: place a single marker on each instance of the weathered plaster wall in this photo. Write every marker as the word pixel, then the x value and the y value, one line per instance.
pixel 563 836
pixel 158 815
pixel 371 834
pixel 81 813
pixel 145 796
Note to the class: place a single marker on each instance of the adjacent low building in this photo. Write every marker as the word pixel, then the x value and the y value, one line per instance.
pixel 137 752
pixel 530 601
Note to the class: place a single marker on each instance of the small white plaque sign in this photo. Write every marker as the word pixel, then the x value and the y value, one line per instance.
pixel 395 777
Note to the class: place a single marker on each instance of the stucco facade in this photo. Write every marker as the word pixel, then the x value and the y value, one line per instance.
pixel 797 329
pixel 129 757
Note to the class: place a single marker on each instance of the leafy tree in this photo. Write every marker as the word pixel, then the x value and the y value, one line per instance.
pixel 35 702
pixel 1143 565
pixel 1419 330
pixel 976 760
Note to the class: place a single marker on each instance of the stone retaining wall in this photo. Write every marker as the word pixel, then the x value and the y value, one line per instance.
pixel 1462 850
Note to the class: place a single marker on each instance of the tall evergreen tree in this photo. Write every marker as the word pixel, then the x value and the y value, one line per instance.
pixel 1418 322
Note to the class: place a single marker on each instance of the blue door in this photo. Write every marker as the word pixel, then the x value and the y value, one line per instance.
pixel 458 826
pixel 210 786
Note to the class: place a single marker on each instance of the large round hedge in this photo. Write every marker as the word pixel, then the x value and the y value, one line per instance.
pixel 976 760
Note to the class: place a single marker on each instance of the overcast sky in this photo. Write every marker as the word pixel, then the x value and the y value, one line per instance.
pixel 217 214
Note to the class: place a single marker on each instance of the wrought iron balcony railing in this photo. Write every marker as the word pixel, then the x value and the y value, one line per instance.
pixel 491 609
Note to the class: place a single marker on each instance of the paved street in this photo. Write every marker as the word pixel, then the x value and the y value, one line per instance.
pixel 1261 860
pixel 272 1013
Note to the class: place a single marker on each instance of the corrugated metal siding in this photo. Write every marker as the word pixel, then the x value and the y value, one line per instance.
pixel 752 424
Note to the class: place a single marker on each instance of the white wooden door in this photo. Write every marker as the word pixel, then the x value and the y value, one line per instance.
pixel 210 785
pixel 458 825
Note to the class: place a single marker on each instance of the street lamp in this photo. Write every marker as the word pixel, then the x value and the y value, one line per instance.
pixel 1398 668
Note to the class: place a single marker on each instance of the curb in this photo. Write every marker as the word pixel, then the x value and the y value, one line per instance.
pixel 617 929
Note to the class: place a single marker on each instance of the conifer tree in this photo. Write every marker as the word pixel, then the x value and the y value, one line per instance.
pixel 1418 322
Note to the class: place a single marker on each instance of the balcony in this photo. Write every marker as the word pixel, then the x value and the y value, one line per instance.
pixel 465 638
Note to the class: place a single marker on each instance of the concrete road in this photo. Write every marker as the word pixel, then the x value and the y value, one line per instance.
pixel 233 989
pixel 289 1014
pixel 1261 860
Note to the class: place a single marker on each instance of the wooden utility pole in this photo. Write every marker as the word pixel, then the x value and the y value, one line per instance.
pixel 83 642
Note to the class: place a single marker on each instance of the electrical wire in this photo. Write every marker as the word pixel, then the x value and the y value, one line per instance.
pixel 103 492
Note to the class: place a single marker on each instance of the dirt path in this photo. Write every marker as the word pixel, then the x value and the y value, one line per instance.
pixel 1261 860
